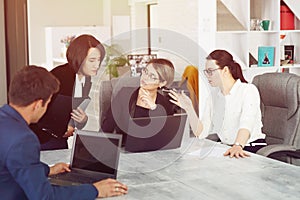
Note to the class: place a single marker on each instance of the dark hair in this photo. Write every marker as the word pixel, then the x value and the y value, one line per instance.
pixel 78 50
pixel 32 83
pixel 223 59
pixel 164 68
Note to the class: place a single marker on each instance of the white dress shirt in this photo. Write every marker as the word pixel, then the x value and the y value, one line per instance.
pixel 79 86
pixel 226 115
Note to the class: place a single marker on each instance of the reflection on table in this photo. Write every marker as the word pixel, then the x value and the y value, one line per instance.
pixel 198 170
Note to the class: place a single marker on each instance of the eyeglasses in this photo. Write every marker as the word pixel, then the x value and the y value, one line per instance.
pixel 209 72
pixel 150 75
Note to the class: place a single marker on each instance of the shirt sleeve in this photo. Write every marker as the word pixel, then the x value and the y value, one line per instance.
pixel 206 118
pixel 251 109
pixel 23 163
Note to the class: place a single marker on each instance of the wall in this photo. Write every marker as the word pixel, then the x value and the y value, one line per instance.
pixel 183 42
pixel 43 13
pixel 3 93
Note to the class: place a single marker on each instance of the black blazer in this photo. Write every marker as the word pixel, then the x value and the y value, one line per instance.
pixel 123 107
pixel 66 76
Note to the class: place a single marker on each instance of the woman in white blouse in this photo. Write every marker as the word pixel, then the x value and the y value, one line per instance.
pixel 232 110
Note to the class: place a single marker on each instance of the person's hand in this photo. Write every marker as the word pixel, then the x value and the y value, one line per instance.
pixel 237 152
pixel 146 99
pixel 79 115
pixel 59 168
pixel 181 100
pixel 69 131
pixel 110 187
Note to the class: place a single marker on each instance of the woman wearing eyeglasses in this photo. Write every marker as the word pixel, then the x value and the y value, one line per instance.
pixel 143 101
pixel 233 110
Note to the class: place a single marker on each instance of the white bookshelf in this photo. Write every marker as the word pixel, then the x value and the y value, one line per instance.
pixel 233 32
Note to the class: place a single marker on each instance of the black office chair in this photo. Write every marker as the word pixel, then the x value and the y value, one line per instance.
pixel 280 97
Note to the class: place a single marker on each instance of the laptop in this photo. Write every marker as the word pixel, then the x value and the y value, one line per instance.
pixel 94 157
pixel 155 133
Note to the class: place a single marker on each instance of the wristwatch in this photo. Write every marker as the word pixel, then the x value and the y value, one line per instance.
pixel 238 144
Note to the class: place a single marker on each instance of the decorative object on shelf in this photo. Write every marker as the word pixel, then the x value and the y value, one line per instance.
pixel 114 60
pixel 252 60
pixel 289 54
pixel 266 56
pixel 138 62
pixel 256 25
pixel 265 24
pixel 66 41
pixel 286 17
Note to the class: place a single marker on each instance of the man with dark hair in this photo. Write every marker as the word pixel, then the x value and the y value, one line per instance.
pixel 22 174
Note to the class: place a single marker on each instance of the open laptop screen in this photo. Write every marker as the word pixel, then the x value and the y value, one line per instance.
pixel 98 154
pixel 155 133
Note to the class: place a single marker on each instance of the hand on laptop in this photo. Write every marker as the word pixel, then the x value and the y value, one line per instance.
pixel 110 187
pixel 79 115
pixel 59 168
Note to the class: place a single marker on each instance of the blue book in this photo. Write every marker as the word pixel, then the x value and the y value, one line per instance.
pixel 266 56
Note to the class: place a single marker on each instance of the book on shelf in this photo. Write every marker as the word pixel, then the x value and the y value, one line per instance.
pixel 266 56
pixel 289 54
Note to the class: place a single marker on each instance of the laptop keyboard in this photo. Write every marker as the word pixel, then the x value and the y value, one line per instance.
pixel 74 177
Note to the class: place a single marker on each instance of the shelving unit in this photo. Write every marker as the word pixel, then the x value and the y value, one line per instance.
pixel 233 31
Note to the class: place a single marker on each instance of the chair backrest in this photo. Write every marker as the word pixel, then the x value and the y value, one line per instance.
pixel 280 96
pixel 109 87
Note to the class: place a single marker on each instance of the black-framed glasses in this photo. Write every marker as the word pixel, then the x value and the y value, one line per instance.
pixel 150 75
pixel 209 72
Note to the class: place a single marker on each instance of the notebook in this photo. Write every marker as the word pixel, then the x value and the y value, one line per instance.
pixel 95 156
pixel 155 133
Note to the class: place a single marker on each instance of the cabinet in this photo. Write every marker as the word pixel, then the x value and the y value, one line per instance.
pixel 234 31
pixel 56 50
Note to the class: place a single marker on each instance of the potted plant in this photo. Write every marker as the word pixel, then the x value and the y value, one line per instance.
pixel 114 59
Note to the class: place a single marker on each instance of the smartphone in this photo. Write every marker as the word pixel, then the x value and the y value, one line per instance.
pixel 84 104
pixel 168 90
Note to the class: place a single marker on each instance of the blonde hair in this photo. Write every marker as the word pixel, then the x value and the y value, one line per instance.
pixel 165 69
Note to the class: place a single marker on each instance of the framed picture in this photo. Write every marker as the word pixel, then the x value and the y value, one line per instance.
pixel 266 56
pixel 289 53
pixel 138 62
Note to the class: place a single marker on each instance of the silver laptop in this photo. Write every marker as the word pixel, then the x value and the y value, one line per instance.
pixel 155 133
pixel 95 156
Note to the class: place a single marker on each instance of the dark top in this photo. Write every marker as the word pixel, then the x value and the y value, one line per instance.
pixel 66 76
pixel 123 107
pixel 22 174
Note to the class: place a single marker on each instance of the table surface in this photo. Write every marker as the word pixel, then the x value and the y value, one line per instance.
pixel 198 170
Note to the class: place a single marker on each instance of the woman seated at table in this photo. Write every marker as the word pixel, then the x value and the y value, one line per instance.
pixel 233 110
pixel 143 101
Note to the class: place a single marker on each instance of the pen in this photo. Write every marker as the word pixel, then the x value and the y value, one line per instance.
pixel 49 132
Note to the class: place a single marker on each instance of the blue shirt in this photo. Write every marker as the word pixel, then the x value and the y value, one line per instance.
pixel 22 174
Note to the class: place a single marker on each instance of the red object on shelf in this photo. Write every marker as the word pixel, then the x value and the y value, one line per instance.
pixel 286 18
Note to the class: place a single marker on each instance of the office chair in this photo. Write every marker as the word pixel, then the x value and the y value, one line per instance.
pixel 110 87
pixel 280 96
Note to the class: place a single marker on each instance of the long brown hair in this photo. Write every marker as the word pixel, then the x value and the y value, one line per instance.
pixel 225 59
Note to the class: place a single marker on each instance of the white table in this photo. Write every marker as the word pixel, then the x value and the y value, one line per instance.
pixel 204 174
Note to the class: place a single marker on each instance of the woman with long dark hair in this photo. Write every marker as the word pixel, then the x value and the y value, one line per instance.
pixel 232 110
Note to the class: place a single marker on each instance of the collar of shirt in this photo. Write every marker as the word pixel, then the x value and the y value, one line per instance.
pixel 233 89
pixel 79 84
